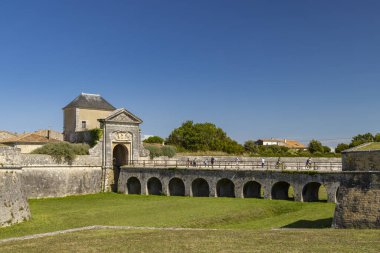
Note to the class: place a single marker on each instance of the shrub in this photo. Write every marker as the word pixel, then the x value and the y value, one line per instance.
pixel 341 147
pixel 96 134
pixel 154 139
pixel 63 151
pixel 154 151
pixel 169 151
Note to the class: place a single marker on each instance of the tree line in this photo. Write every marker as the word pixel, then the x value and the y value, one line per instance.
pixel 198 137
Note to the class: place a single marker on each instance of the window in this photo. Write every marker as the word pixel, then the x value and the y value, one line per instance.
pixel 84 126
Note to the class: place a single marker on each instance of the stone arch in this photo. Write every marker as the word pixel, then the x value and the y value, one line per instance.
pixel 154 186
pixel 134 185
pixel 200 188
pixel 311 192
pixel 176 187
pixel 120 155
pixel 280 190
pixel 252 189
pixel 225 188
pixel 120 158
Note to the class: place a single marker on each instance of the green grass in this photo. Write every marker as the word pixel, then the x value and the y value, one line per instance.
pixel 244 225
pixel 371 146
pixel 327 240
pixel 160 211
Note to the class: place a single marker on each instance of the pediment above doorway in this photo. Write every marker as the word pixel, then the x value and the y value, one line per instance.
pixel 123 116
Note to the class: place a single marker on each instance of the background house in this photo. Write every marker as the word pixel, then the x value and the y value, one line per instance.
pixel 292 144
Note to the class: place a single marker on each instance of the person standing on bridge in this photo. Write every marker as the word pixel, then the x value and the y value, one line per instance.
pixel 212 161
pixel 262 162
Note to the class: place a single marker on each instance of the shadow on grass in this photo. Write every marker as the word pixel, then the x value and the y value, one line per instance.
pixel 322 223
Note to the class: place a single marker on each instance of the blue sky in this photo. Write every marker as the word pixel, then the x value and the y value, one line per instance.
pixel 288 69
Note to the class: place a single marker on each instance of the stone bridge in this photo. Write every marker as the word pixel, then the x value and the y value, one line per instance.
pixel 268 184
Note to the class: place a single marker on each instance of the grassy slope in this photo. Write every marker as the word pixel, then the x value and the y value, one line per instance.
pixel 372 146
pixel 160 211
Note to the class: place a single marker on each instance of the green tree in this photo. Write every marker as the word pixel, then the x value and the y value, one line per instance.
pixel 203 137
pixel 377 137
pixel 315 146
pixel 341 147
pixel 361 139
pixel 154 139
pixel 326 149
pixel 251 147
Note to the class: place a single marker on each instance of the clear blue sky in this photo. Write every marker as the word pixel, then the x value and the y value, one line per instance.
pixel 289 69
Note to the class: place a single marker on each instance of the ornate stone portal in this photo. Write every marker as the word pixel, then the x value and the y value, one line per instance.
pixel 121 144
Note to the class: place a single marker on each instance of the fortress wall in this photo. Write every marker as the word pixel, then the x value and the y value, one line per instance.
pixel 14 207
pixel 60 181
pixel 358 198
pixel 358 202
pixel 361 160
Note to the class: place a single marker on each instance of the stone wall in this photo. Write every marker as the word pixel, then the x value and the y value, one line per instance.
pixel 358 202
pixel 358 199
pixel 14 207
pixel 60 181
pixel 44 177
pixel 304 184
pixel 361 160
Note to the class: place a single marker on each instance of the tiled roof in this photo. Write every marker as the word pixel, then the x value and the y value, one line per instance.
pixel 90 101
pixel 286 142
pixel 28 138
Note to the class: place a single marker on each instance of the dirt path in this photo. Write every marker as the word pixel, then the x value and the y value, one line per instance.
pixel 27 237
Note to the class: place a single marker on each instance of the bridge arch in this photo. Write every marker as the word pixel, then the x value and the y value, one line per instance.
pixel 154 186
pixel 133 185
pixel 252 189
pixel 313 192
pixel 282 190
pixel 200 188
pixel 176 187
pixel 225 188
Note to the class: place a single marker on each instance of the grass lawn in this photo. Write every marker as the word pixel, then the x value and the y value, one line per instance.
pixel 245 225
pixel 371 146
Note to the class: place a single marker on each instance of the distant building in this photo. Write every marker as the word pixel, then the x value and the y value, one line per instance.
pixel 50 134
pixel 6 135
pixel 292 144
pixel 27 142
pixel 83 114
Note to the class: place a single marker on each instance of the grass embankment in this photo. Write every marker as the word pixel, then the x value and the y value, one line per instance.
pixel 371 146
pixel 160 211
pixel 245 225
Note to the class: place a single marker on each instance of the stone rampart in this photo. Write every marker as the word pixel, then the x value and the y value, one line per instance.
pixel 361 160
pixel 14 207
pixel 60 181
pixel 358 198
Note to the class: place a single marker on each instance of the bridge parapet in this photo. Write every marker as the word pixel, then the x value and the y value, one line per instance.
pixel 240 165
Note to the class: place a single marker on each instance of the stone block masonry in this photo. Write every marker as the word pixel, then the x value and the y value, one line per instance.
pixel 358 198
pixel 14 207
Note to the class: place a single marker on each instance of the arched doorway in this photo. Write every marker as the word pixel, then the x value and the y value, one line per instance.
pixel 252 189
pixel 134 185
pixel 200 188
pixel 313 192
pixel 120 158
pixel 154 186
pixel 282 190
pixel 225 188
pixel 176 187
